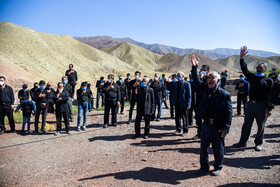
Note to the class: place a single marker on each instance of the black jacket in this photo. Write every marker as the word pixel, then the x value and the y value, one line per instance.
pixel 134 88
pixel 200 84
pixel 159 90
pixel 62 106
pixel 127 83
pixel 38 99
pixel 223 82
pixel 68 88
pixel 32 93
pixel 73 77
pixel 123 90
pixel 7 96
pixel 275 94
pixel 149 101
pixel 112 94
pixel 22 94
pixel 26 108
pixel 83 97
pixel 222 109
pixel 51 93
pixel 99 86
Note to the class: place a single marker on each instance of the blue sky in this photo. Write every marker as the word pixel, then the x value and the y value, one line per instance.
pixel 197 24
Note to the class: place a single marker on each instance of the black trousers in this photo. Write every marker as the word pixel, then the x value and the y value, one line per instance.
pixel 190 115
pixel 137 126
pixel 254 110
pixel 122 103
pixel 132 105
pixel 5 110
pixel 110 105
pixel 181 114
pixel 241 98
pixel 40 110
pixel 128 95
pixel 99 94
pixel 171 106
pixel 73 89
pixel 59 119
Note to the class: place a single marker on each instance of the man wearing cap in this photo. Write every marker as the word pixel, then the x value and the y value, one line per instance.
pixel 7 100
pixel 258 107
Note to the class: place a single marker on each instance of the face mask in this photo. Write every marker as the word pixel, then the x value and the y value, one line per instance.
pixel 60 89
pixel 24 90
pixel 64 81
pixel 259 75
pixel 26 101
pixel 128 77
pixel 42 87
pixel 179 78
pixel 120 81
pixel 173 80
pixel 35 87
pixel 84 88
pixel 191 80
pixel 273 71
pixel 143 84
pixel 242 78
pixel 49 87
pixel 136 76
pixel 109 80
pixel 214 87
pixel 156 79
pixel 2 83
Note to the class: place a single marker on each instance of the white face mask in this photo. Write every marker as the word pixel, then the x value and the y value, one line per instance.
pixel 136 76
pixel 156 78
pixel 2 83
pixel 109 80
pixel 60 89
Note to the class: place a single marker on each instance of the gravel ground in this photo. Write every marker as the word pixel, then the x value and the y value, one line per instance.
pixel 111 157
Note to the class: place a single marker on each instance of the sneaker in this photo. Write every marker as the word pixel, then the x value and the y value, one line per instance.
pixel 78 128
pixel 35 132
pixel 184 134
pixel 13 130
pixel 216 172
pixel 23 132
pixel 201 171
pixel 30 131
pixel 258 147
pixel 146 137
pixel 239 145
pixel 177 132
pixel 105 126
pixel 129 121
pixel 57 133
pixel 84 128
pixel 44 130
pixel 196 137
pixel 69 132
pixel 158 119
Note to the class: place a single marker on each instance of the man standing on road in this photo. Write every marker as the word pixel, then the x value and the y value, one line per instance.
pixel 67 87
pixel 7 100
pixel 99 85
pixel 243 93
pixel 72 78
pixel 259 107
pixel 134 84
pixel 127 83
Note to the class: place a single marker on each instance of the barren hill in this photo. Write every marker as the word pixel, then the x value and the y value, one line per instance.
pixel 47 56
pixel 251 60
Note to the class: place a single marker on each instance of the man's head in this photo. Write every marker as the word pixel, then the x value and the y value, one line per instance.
pixel 273 70
pixel 223 74
pixel 2 81
pixel 60 86
pixel 261 67
pixel 163 75
pixel 71 66
pixel 128 75
pixel 205 68
pixel 180 76
pixel 156 77
pixel 144 82
pixel 213 80
pixel 137 74
pixel 64 79
pixel 84 85
pixel 24 86
pixel 42 84
pixel 190 76
pixel 35 85
pixel 101 78
pixel 49 85
pixel 110 78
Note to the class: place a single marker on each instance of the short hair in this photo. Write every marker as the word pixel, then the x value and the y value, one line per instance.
pixel 223 73
pixel 102 78
pixel 182 73
pixel 163 75
pixel 42 82
pixel 35 83
pixel 128 74
pixel 157 74
pixel 2 77
pixel 59 84
pixel 64 77
pixel 206 67
pixel 138 72
pixel 146 78
pixel 264 64
pixel 84 84
pixel 24 86
pixel 111 76
pixel 273 68
pixel 71 65
pixel 216 74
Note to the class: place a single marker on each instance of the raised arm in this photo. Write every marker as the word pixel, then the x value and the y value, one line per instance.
pixel 243 65
pixel 196 79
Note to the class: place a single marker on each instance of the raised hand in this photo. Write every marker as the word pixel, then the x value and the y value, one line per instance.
pixel 194 61
pixel 243 51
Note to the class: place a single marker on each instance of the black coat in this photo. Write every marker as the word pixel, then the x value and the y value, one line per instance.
pixel 62 106
pixel 159 90
pixel 83 97
pixel 22 94
pixel 112 94
pixel 38 99
pixel 222 108
pixel 149 101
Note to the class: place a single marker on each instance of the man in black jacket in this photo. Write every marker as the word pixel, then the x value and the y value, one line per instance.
pixel 223 80
pixel 127 84
pixel 41 99
pixel 215 109
pixel 72 78
pixel 193 102
pixel 112 100
pixel 243 88
pixel 51 92
pixel 258 106
pixel 7 100
pixel 99 85
pixel 145 107
pixel 61 98
pixel 273 75
pixel 67 87
pixel 134 84
pixel 23 93
pixel 82 96
pixel 159 93
pixel 124 93
pixel 32 94
pixel 275 93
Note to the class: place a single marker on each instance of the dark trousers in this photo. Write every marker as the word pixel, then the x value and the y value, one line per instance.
pixel 171 107
pixel 199 127
pixel 110 105
pixel 73 89
pixel 5 110
pixel 132 104
pixel 241 98
pixel 138 119
pixel 181 114
pixel 128 95
pixel 40 110
pixel 99 94
pixel 209 135
pixel 59 119
pixel 254 110
pixel 122 103
pixel 190 115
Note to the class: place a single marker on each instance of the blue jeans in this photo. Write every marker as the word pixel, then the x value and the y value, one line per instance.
pixel 82 109
pixel 159 106
pixel 24 122
pixel 209 135
pixel 34 106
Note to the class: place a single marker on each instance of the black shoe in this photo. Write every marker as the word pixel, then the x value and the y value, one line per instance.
pixel 129 121
pixel 172 117
pixel 196 137
pixel 121 113
pixel 216 172
pixel 136 136
pixel 239 145
pixel 35 132
pixel 71 120
pixel 201 171
pixel 146 137
pixel 105 126
pixel 13 130
pixel 2 132
pixel 115 124
pixel 158 119
pixel 44 130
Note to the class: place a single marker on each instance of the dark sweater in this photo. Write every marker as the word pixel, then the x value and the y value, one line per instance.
pixel 7 95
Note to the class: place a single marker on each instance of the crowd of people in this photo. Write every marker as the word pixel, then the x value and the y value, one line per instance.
pixel 203 94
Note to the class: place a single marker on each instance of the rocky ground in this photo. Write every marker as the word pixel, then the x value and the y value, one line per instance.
pixel 111 157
